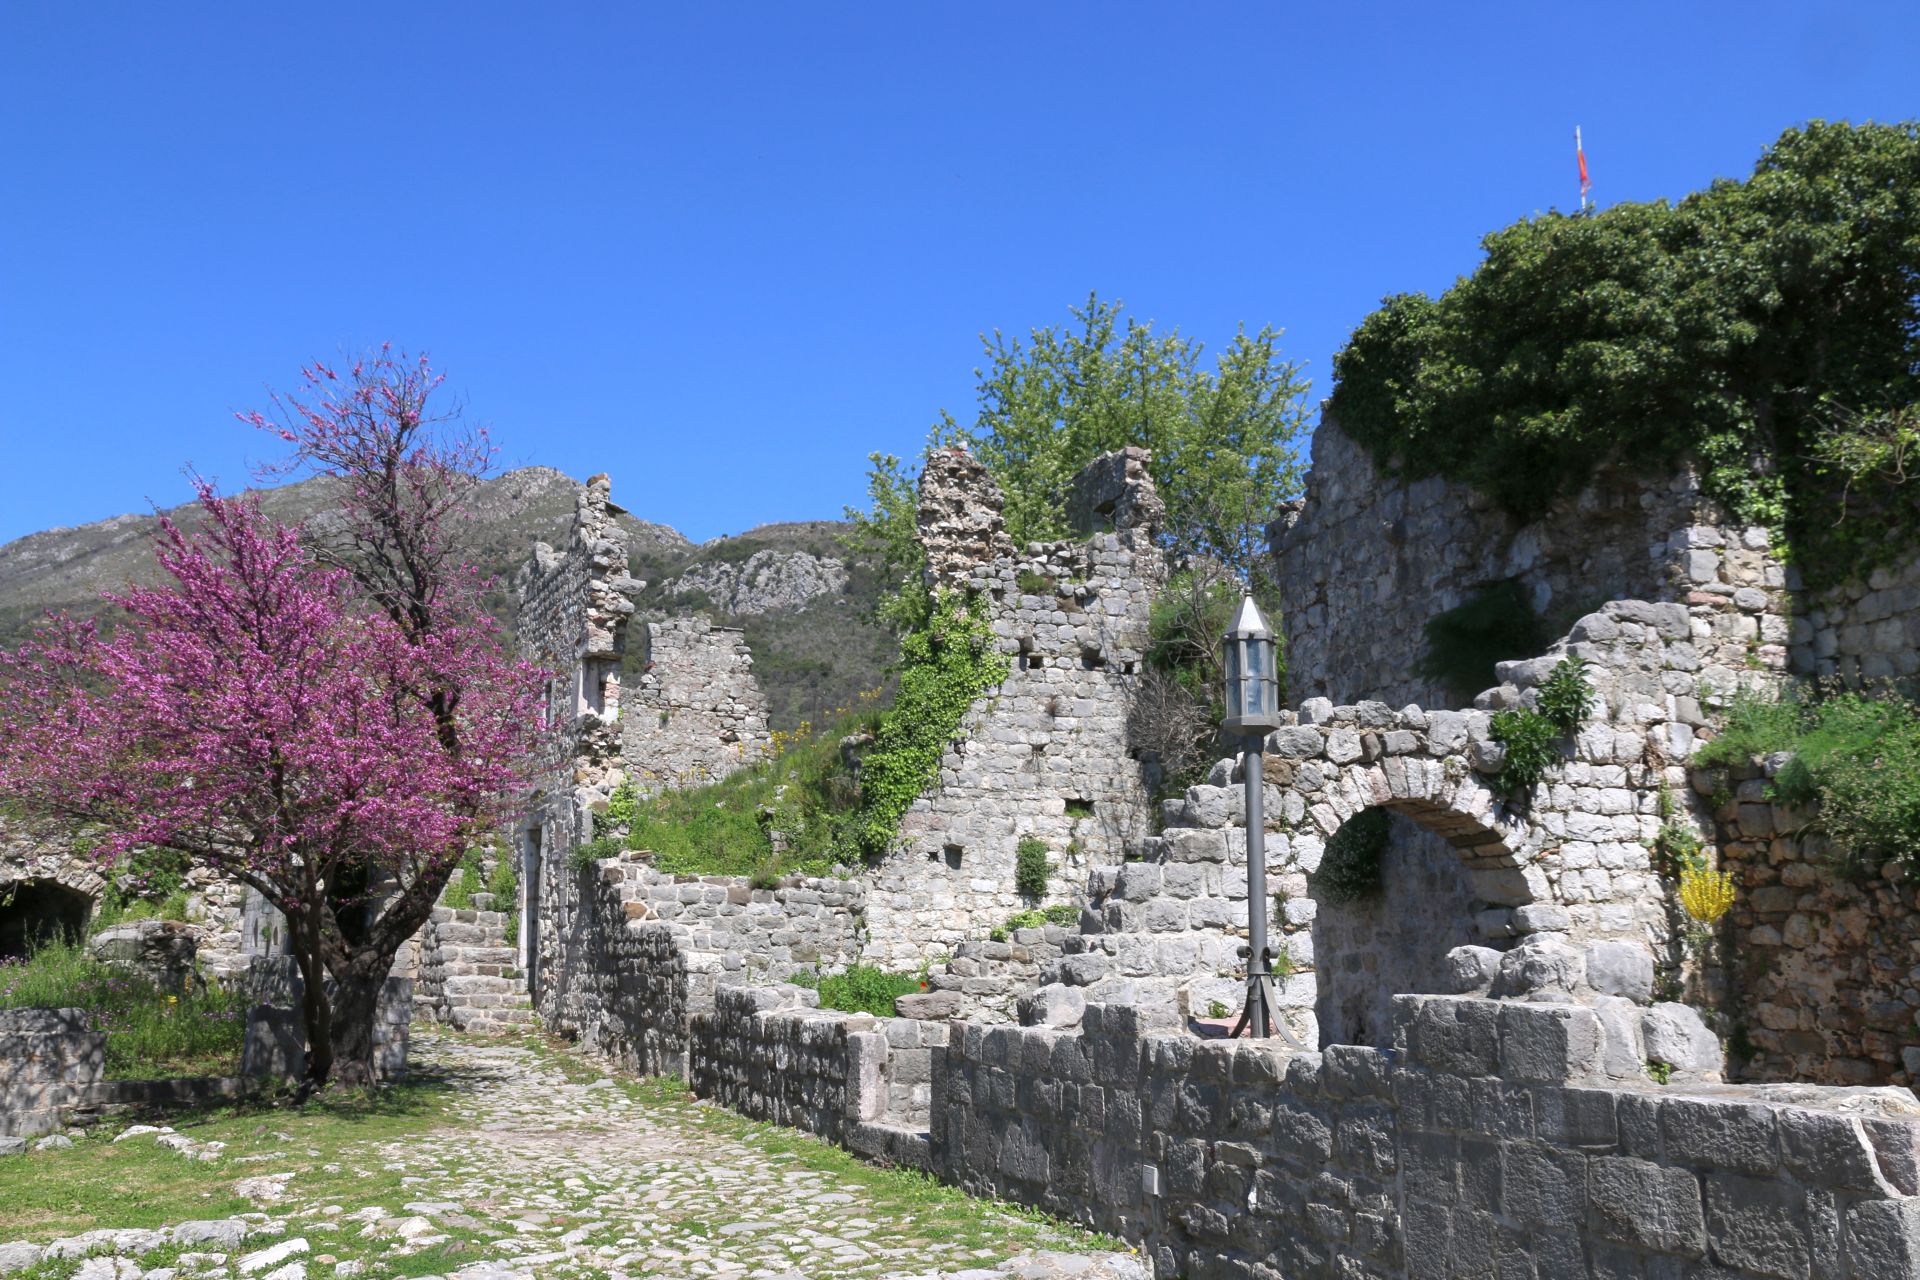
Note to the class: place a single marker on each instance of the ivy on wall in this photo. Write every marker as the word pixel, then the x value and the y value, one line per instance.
pixel 944 665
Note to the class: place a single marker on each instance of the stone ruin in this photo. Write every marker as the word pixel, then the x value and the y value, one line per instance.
pixel 1511 1065
pixel 700 714
pixel 1477 1093
pixel 1046 755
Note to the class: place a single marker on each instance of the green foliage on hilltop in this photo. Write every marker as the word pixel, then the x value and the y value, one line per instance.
pixel 1224 439
pixel 1757 325
pixel 1856 754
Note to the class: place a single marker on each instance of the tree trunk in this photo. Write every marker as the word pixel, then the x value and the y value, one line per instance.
pixel 313 1004
pixel 356 999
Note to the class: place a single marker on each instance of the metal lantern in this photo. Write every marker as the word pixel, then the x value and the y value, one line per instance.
pixel 1253 688
pixel 1253 710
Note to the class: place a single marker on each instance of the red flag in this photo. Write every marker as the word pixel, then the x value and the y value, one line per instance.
pixel 1580 154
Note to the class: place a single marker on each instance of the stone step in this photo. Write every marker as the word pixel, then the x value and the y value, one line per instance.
pixel 1091 957
pixel 508 956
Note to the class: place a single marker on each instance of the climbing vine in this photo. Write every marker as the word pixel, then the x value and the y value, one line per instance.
pixel 944 665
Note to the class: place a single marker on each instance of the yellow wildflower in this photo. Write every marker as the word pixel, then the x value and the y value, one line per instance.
pixel 1706 894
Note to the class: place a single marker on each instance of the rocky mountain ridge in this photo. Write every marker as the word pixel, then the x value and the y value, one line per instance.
pixel 802 597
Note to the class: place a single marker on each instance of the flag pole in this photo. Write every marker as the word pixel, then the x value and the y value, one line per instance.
pixel 1580 158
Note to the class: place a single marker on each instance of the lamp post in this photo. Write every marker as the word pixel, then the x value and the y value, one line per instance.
pixel 1253 711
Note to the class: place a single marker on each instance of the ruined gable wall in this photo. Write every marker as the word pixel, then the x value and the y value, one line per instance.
pixel 1365 561
pixel 574 609
pixel 699 714
pixel 1046 754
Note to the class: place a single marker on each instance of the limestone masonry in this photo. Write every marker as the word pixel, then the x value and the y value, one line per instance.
pixel 1512 1061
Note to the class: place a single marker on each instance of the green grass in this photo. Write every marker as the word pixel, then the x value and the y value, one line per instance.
pixel 861 989
pixel 101 1183
pixel 803 791
pixel 149 1035
pixel 1856 754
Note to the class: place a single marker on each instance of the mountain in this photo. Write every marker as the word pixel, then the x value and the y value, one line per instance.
pixel 803 600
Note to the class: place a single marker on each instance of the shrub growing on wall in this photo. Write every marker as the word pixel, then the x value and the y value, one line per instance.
pixel 1030 870
pixel 1744 326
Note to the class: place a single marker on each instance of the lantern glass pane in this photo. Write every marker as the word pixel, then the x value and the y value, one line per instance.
pixel 1231 653
pixel 1256 692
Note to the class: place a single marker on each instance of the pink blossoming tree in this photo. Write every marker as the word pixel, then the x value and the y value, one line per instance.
pixel 326 715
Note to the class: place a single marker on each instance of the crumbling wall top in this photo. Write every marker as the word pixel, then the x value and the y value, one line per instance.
pixel 1115 494
pixel 960 519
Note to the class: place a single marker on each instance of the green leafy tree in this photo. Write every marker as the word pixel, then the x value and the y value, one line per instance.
pixel 1224 439
pixel 1742 326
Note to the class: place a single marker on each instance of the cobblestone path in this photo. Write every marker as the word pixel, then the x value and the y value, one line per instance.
pixel 549 1169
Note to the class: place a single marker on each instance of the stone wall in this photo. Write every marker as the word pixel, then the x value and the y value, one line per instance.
pixel 1821 968
pixel 700 714
pixel 1364 562
pixel 627 950
pixel 984 979
pixel 865 1082
pixel 1864 630
pixel 1045 755
pixel 49 1058
pixel 468 974
pixel 1497 1137
pixel 575 605
pixel 1487 1144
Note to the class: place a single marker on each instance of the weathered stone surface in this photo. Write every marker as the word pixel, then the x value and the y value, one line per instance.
pixel 1620 969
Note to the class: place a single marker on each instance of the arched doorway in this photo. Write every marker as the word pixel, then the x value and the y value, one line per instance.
pixel 1395 899
pixel 36 912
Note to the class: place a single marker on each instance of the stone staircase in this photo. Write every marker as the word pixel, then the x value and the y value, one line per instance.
pixel 1165 928
pixel 469 976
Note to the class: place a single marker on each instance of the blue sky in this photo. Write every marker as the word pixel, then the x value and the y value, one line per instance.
pixel 724 251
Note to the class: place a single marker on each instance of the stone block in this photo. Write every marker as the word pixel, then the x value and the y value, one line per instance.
pixel 1759 1224
pixel 1675 1033
pixel 1054 1005
pixel 1621 969
pixel 1543 1186
pixel 1548 1044
pixel 1883 1238
pixel 1470 970
pixel 1543 966
pixel 1721 1134
pixel 1638 1203
pixel 1455 1035
pixel 1828 1150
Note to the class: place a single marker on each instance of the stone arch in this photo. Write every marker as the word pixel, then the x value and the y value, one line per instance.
pixel 38 911
pixel 1457 866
